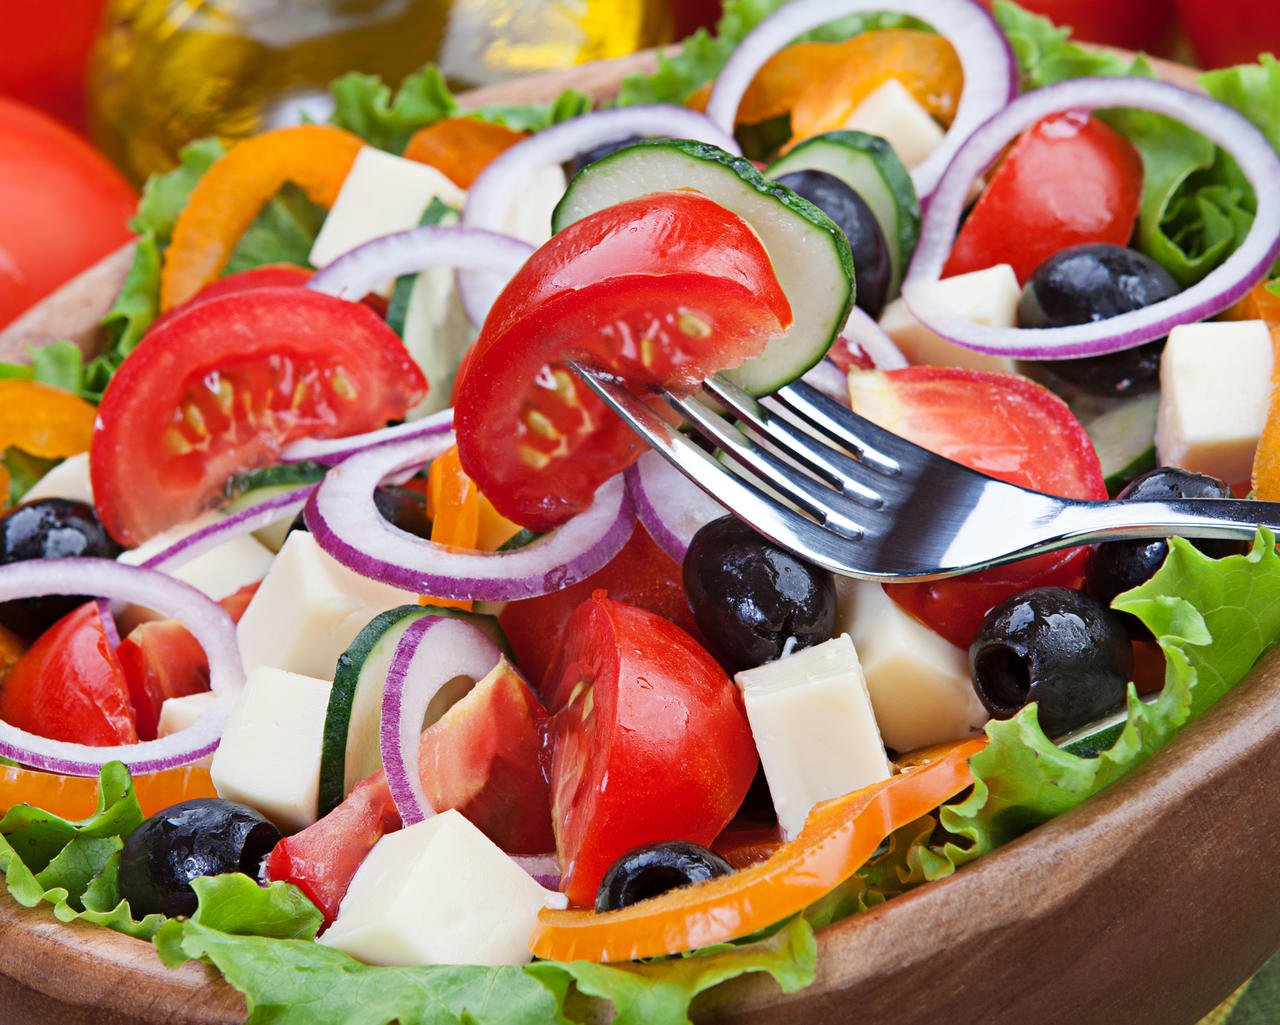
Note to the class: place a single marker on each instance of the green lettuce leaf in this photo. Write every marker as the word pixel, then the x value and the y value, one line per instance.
pixel 1252 89
pixel 365 105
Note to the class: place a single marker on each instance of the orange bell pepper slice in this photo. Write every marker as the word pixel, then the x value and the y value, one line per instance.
pixel 42 421
pixel 837 839
pixel 460 147
pixel 234 190
pixel 1263 304
pixel 76 797
pixel 925 63
pixel 11 648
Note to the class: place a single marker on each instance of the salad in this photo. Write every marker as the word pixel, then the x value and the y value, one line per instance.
pixel 396 671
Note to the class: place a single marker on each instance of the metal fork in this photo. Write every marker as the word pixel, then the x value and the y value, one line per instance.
pixel 844 493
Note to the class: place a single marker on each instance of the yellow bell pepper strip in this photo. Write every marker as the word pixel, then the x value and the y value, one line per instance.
pixel 76 797
pixel 460 147
pixel 41 421
pixel 1263 304
pixel 925 63
pixel 11 649
pixel 234 190
pixel 837 839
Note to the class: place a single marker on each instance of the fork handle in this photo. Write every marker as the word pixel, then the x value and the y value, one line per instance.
pixel 1226 518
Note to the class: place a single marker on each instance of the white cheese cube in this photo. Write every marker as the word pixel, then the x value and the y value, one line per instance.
pixel 919 682
pixel 218 572
pixel 439 892
pixel 69 479
pixel 309 609
pixel 892 113
pixel 269 756
pixel 989 297
pixel 1215 388
pixel 176 714
pixel 814 728
pixel 381 194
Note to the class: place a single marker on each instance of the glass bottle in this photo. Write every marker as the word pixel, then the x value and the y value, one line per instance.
pixel 165 72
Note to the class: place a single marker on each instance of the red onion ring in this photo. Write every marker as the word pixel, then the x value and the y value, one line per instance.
pixel 670 507
pixel 828 379
pixel 208 623
pixel 545 868
pixel 347 525
pixel 1214 293
pixel 417 672
pixel 501 184
pixel 871 339
pixel 990 71
pixel 366 267
pixel 331 451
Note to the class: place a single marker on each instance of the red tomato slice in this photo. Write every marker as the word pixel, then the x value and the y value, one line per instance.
pixel 1235 34
pixel 1133 24
pixel 1003 425
pixel 226 385
pixel 69 685
pixel 273 275
pixel 1068 180
pixel 649 740
pixel 663 290
pixel 642 574
pixel 161 660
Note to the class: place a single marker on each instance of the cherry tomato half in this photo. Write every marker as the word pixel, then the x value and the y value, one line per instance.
pixel 663 290
pixel 649 739
pixel 1068 180
pixel 1234 33
pixel 1000 424
pixel 224 386
pixel 45 65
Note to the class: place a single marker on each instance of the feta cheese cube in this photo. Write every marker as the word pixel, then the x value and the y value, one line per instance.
pixel 176 714
pixel 439 892
pixel 218 572
pixel 891 112
pixel 1215 389
pixel 988 297
pixel 813 725
pixel 269 757
pixel 69 479
pixel 919 682
pixel 381 194
pixel 309 610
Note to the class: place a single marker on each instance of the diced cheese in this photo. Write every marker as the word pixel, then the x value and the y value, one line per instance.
pixel 176 714
pixel 892 113
pixel 988 297
pixel 437 332
pixel 309 609
pixel 439 892
pixel 814 728
pixel 218 572
pixel 381 194
pixel 919 682
pixel 269 756
pixel 1215 387
pixel 69 479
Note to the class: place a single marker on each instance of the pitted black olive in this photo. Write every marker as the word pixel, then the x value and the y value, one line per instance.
pixel 399 506
pixel 652 870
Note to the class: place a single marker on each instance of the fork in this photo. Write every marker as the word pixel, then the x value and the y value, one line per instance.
pixel 844 493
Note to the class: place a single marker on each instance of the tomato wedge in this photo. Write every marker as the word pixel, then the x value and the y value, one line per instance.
pixel 663 290
pixel 225 385
pixel 1003 425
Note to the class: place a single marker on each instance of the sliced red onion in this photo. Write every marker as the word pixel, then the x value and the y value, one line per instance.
pixel 367 267
pixel 246 521
pixel 109 628
pixel 331 451
pixel 210 625
pixel 1214 293
pixel 500 186
pixel 347 525
pixel 431 652
pixel 670 507
pixel 828 379
pixel 990 71
pixel 545 868
pixel 871 339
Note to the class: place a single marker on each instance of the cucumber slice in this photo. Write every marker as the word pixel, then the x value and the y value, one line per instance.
pixel 810 253
pixel 257 486
pixel 869 166
pixel 350 749
pixel 1124 438
pixel 1091 740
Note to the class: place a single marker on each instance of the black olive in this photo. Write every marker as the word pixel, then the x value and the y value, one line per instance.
pixel 1057 647
pixel 871 267
pixel 590 156
pixel 399 506
pixel 654 869
pixel 202 837
pixel 1096 282
pixel 751 598
pixel 1116 566
pixel 52 528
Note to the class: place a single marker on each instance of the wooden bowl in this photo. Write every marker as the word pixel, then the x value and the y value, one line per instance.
pixel 1147 906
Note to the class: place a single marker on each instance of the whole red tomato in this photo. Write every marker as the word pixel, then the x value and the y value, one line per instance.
pixel 62 206
pixel 46 69
pixel 1234 32
pixel 1135 24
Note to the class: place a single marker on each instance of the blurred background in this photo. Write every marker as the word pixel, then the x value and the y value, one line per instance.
pixel 97 94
